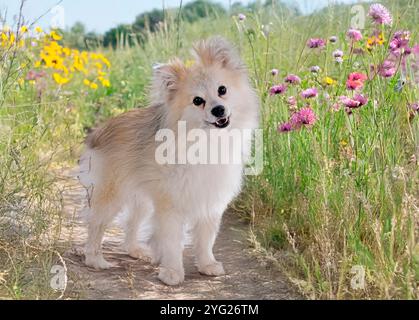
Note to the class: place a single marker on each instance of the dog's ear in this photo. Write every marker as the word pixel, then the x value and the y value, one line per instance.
pixel 218 51
pixel 166 79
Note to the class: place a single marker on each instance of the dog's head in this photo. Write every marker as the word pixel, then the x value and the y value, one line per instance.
pixel 214 92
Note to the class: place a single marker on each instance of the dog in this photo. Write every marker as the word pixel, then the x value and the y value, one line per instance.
pixel 119 169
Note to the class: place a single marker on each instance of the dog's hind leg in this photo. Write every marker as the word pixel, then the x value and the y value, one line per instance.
pixel 103 209
pixel 204 234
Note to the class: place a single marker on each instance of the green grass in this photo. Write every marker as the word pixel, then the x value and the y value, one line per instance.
pixel 341 194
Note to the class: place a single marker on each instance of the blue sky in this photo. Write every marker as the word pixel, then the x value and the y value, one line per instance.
pixel 101 15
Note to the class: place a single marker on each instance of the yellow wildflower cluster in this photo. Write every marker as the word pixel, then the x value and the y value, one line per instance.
pixel 375 40
pixel 66 63
pixel 8 38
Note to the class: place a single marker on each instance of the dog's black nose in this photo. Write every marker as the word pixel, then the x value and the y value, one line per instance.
pixel 218 111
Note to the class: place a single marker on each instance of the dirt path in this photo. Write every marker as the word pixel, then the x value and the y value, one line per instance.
pixel 246 277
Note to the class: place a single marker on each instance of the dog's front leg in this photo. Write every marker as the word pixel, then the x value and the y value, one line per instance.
pixel 204 234
pixel 167 247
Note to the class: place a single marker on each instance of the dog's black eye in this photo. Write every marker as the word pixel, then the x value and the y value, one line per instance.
pixel 198 101
pixel 222 91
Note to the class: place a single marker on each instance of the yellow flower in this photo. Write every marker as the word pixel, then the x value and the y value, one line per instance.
pixel 23 29
pixel 53 61
pixel 54 35
pixel 60 79
pixel 343 143
pixel 106 61
pixel 86 82
pixel 67 51
pixel 37 64
pixel 78 65
pixel 12 39
pixel 106 83
pixel 38 30
pixel 329 81
pixel 84 56
pixel 20 81
pixel 75 52
pixel 375 40
pixel 94 86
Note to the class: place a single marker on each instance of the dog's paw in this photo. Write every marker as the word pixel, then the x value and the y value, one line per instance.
pixel 98 263
pixel 171 277
pixel 213 269
pixel 140 253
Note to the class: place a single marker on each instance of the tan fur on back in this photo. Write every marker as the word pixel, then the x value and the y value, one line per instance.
pixel 123 129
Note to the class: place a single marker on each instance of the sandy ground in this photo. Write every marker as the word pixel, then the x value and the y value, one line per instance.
pixel 246 277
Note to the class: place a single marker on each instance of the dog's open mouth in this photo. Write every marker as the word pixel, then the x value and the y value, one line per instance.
pixel 222 123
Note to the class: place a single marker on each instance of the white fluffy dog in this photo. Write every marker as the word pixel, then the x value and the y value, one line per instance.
pixel 120 170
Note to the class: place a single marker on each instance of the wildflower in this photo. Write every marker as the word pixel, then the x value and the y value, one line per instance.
pixel 274 72
pixel 339 60
pixel 333 39
pixel 86 82
pixel 55 36
pixel 355 81
pixel 309 93
pixel 414 106
pixel 356 102
pixel 60 79
pixel 285 127
pixel 293 79
pixel 106 62
pixel 315 69
pixel 387 69
pixel 354 35
pixel 343 143
pixel 38 30
pixel 336 107
pixel 329 81
pixel 304 117
pixel 34 75
pixel 93 86
pixel 400 43
pixel 241 17
pixel 105 82
pixel 337 54
pixel 316 43
pixel 12 39
pixel 292 101
pixel 374 40
pixel 278 89
pixel 380 14
pixel 23 29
